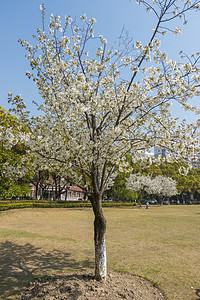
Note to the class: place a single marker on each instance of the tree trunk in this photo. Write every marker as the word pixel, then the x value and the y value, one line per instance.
pixel 36 191
pixel 99 239
pixel 100 248
pixel 161 200
pixel 191 197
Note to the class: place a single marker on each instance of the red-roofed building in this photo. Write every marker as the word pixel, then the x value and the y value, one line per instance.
pixel 72 193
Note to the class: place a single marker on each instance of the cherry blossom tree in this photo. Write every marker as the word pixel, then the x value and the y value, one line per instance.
pixel 160 185
pixel 91 117
pixel 141 184
pixel 164 187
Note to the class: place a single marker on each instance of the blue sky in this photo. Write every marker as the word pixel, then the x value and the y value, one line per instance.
pixel 19 19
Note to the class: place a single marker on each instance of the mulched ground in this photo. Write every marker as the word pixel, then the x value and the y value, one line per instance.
pixel 83 286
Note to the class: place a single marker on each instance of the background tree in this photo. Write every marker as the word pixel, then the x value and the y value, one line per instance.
pixel 189 185
pixel 142 184
pixel 119 192
pixel 91 117
pixel 11 186
pixel 40 181
pixel 61 183
pixel 187 178
pixel 164 187
pixel 160 186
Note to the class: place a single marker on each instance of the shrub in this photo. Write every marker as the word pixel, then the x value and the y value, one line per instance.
pixel 17 205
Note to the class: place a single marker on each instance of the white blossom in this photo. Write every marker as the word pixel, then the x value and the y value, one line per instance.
pixel 159 185
pixel 90 115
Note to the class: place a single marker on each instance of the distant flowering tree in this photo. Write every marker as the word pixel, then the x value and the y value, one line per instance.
pixel 164 187
pixel 91 117
pixel 141 184
pixel 160 185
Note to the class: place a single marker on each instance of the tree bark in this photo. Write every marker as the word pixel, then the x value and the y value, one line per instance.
pixel 99 240
pixel 100 248
pixel 36 191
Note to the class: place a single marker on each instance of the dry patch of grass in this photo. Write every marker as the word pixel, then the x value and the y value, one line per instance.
pixel 161 244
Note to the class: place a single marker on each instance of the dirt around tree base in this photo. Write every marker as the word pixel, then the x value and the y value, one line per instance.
pixel 82 286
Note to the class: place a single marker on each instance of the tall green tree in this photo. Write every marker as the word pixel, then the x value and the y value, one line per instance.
pixel 10 158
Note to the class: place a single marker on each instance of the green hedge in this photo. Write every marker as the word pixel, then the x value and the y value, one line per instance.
pixel 6 206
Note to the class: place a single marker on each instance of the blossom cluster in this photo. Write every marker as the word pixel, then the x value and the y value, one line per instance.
pixel 159 185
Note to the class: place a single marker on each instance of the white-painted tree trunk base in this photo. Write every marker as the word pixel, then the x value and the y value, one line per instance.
pixel 100 260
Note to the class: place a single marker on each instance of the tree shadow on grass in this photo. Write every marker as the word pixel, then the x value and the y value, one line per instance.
pixel 197 292
pixel 20 264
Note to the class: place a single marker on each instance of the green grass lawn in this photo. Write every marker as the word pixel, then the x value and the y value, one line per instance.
pixel 161 244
